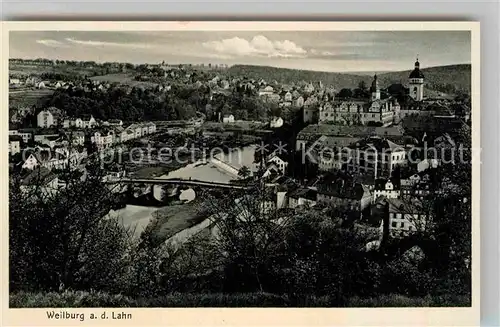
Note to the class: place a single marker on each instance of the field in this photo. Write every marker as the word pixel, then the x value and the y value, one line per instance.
pixel 122 79
pixel 27 97
pixel 25 70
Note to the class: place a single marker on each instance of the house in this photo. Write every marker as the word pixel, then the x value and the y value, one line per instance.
pixel 418 186
pixel 31 162
pixel 51 141
pixel 301 197
pixel 268 90
pixel 115 122
pixel 402 217
pixel 309 88
pixel 385 187
pixel 73 122
pixel 42 138
pixel 40 179
pixel 43 84
pixel 77 138
pixel 288 97
pixel 88 121
pixel 14 81
pixel 343 136
pixel 151 127
pixel 26 135
pixel 144 130
pixel 272 170
pixel 276 122
pixel 375 155
pixel 279 161
pixel 343 191
pixel 45 157
pixel 137 131
pixel 103 139
pixel 15 142
pixel 49 117
pixel 228 119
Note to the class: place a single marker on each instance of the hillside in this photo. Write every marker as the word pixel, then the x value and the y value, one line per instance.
pixel 443 78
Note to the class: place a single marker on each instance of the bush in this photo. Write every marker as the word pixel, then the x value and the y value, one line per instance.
pixel 69 299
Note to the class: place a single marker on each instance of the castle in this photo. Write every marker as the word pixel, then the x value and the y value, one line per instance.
pixel 373 111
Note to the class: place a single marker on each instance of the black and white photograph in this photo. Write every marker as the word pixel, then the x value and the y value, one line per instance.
pixel 240 168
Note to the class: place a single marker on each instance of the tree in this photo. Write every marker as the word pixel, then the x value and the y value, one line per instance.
pixel 345 93
pixel 244 172
pixel 62 239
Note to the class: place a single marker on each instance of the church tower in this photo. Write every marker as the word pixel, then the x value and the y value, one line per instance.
pixel 416 82
pixel 374 89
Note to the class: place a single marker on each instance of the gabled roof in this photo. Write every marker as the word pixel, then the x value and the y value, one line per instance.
pixel 305 193
pixel 39 175
pixel 344 188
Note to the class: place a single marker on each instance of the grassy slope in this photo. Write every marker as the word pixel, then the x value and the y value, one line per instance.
pixel 176 218
pixel 127 79
pixel 85 299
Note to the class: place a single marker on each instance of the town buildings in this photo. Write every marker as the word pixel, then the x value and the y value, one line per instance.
pixel 402 217
pixel 376 156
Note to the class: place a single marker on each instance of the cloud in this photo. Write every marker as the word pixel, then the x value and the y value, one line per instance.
pixel 107 44
pixel 257 46
pixel 50 43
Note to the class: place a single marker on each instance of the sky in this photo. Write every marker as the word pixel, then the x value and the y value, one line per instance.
pixel 334 51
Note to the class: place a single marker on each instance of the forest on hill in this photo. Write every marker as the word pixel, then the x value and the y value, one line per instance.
pixel 449 79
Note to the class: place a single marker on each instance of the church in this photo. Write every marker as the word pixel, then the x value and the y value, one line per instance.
pixel 416 83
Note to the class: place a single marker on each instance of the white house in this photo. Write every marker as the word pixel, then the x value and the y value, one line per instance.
pixel 288 97
pixel 103 139
pixel 41 178
pixel 268 90
pixel 48 117
pixel 385 188
pixel 15 142
pixel 14 81
pixel 78 138
pixel 73 122
pixel 151 127
pixel 404 217
pixel 88 121
pixel 301 197
pixel 279 162
pixel 228 119
pixel 115 122
pixel 43 84
pixel 31 162
pixel 276 122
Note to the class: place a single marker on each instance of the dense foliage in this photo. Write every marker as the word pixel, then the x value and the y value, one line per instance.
pixel 181 102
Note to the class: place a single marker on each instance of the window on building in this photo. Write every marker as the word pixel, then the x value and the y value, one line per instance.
pixel 402 224
pixel 394 224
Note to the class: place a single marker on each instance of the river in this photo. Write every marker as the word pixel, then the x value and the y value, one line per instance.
pixel 138 217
